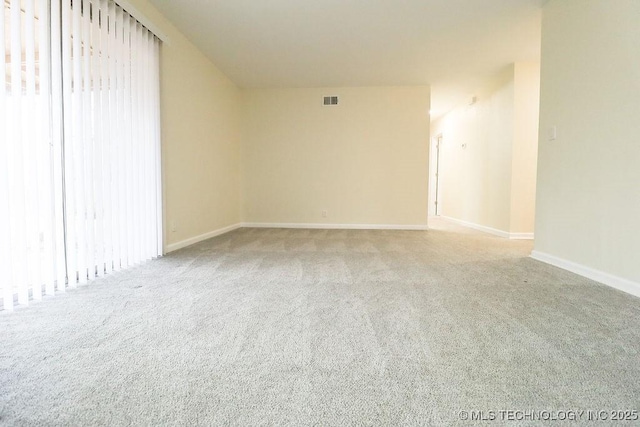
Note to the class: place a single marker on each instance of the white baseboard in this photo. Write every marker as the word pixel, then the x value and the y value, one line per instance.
pixel 478 227
pixel 197 239
pixel 418 227
pixel 619 283
pixel 494 231
pixel 193 240
pixel 521 236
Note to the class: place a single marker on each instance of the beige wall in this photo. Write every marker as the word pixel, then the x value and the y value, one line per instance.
pixel 488 153
pixel 525 146
pixel 364 161
pixel 588 205
pixel 200 138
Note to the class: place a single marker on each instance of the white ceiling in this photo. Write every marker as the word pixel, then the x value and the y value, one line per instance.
pixel 448 44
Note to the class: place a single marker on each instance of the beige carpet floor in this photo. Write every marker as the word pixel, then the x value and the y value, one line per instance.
pixel 324 327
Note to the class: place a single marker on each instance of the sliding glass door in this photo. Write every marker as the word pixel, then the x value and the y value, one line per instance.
pixel 80 179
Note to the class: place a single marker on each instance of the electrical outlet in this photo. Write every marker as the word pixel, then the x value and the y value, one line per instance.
pixel 173 227
pixel 324 214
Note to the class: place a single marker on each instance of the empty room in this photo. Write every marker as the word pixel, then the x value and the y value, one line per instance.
pixel 355 213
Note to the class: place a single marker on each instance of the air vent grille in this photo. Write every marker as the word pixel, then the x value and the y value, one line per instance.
pixel 330 100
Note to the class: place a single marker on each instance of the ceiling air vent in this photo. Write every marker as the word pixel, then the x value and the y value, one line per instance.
pixel 330 100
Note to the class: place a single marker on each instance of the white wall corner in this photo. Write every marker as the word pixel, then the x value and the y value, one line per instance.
pixel 616 282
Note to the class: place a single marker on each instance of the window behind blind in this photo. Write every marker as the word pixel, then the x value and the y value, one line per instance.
pixel 80 179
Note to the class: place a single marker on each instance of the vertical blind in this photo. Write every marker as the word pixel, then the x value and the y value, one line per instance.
pixel 80 179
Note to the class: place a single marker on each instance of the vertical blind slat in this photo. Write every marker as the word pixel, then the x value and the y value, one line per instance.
pixel 114 135
pixel 157 147
pixel 105 131
pixel 99 132
pixel 16 165
pixel 133 147
pixel 68 137
pixel 32 157
pixel 6 265
pixel 79 118
pixel 138 139
pixel 45 177
pixel 57 105
pixel 88 142
pixel 128 141
pixel 121 140
pixel 147 226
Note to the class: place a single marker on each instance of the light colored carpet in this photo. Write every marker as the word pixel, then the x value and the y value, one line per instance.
pixel 319 327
